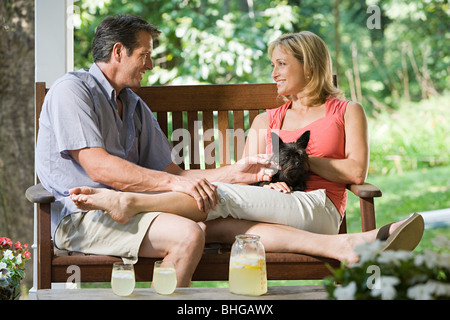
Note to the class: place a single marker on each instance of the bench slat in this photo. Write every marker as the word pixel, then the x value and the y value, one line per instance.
pixel 224 145
pixel 162 120
pixel 239 133
pixel 208 140
pixel 210 97
pixel 194 151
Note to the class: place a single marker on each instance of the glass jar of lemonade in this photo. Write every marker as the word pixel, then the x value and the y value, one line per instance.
pixel 248 266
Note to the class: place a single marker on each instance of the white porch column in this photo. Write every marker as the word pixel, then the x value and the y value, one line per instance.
pixel 53 39
pixel 53 59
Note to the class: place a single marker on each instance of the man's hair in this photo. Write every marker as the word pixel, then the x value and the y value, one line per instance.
pixel 122 28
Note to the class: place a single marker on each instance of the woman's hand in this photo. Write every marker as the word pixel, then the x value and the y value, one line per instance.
pixel 279 186
pixel 253 169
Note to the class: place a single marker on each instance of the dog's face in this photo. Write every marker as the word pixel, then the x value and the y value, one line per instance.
pixel 293 160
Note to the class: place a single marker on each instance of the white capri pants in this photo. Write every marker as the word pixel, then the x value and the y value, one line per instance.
pixel 309 211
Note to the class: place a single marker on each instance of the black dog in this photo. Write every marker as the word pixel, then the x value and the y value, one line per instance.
pixel 293 160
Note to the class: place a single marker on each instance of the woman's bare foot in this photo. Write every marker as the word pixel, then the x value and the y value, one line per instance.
pixel 346 251
pixel 117 204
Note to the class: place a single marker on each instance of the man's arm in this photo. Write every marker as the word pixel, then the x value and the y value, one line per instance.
pixel 123 175
pixel 120 174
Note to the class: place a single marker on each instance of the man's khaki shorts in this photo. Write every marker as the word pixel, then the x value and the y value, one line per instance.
pixel 95 232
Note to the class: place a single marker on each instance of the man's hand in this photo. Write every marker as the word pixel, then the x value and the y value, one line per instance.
pixel 200 189
pixel 196 182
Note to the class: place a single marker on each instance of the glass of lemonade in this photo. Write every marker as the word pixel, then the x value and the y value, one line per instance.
pixel 122 279
pixel 164 277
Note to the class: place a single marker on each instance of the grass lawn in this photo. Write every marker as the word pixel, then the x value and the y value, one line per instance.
pixel 412 191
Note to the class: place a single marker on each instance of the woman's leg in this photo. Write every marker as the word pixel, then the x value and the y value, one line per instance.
pixel 121 206
pixel 280 238
pixel 311 211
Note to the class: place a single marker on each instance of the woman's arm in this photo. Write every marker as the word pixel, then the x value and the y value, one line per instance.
pixel 256 138
pixel 352 169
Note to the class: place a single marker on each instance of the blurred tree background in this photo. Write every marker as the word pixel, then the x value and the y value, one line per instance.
pixel 404 55
pixel 388 55
pixel 17 121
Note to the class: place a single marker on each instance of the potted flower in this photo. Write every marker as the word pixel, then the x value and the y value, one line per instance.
pixel 393 275
pixel 12 265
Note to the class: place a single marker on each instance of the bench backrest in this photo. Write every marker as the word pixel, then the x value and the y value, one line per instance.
pixel 206 124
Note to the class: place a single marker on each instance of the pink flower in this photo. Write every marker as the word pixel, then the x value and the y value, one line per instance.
pixel 26 254
pixel 5 242
pixel 18 245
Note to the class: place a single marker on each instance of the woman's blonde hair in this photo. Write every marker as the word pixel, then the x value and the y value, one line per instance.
pixel 313 53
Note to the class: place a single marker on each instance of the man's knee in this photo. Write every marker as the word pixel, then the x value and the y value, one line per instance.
pixel 172 234
pixel 191 237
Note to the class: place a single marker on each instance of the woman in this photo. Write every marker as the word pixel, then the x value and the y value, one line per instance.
pixel 306 222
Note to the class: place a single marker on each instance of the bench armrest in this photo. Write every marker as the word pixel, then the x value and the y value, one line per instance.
pixel 366 193
pixel 365 190
pixel 38 194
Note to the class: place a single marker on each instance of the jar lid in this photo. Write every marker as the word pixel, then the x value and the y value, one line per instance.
pixel 247 237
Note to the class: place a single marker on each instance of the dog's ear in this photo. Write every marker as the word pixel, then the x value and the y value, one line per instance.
pixel 304 139
pixel 276 143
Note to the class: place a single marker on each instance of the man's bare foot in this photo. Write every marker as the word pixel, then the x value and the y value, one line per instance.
pixel 117 204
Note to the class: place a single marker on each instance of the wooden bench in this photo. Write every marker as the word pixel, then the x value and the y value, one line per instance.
pixel 197 109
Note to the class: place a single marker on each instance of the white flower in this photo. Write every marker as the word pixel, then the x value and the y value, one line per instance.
pixel 4 272
pixel 419 260
pixel 394 257
pixel 8 255
pixel 441 289
pixel 441 241
pixel 368 251
pixel 444 261
pixel 419 292
pixel 387 290
pixel 433 259
pixel 429 290
pixel 19 259
pixel 346 293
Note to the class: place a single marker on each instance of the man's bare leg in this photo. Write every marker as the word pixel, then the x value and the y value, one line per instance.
pixel 178 240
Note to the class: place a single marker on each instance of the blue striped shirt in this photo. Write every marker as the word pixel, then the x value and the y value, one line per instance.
pixel 80 111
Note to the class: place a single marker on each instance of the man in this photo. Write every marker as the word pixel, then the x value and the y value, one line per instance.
pixel 95 131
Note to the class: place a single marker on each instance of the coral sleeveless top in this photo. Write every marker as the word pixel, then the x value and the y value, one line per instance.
pixel 327 140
